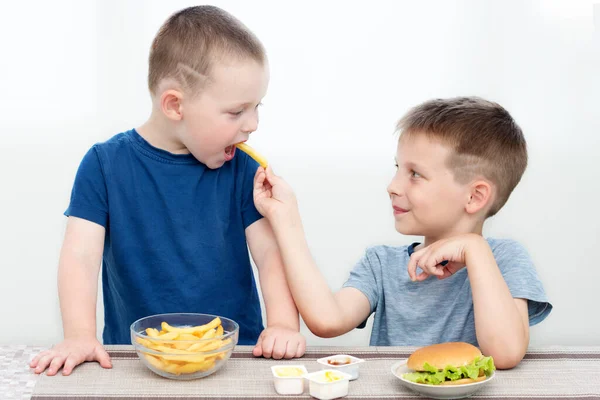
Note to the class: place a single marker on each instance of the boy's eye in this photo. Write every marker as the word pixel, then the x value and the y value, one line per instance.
pixel 414 174
pixel 236 113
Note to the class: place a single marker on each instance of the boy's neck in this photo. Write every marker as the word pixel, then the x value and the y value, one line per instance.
pixel 474 227
pixel 160 133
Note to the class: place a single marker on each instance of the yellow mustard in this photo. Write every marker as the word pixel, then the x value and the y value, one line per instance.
pixel 285 372
pixel 332 376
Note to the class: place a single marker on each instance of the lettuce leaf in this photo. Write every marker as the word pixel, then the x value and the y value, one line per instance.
pixel 432 376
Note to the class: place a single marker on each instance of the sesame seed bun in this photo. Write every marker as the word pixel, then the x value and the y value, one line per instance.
pixel 442 355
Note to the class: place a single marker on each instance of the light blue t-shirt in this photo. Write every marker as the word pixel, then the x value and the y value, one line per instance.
pixel 435 311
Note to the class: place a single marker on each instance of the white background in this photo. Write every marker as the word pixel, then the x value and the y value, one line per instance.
pixel 73 73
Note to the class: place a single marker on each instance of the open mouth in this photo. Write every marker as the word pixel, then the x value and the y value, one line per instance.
pixel 229 152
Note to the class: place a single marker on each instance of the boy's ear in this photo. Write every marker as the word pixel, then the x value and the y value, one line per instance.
pixel 480 196
pixel 170 104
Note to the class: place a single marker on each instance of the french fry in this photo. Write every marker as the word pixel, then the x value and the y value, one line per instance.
pixel 194 329
pixel 209 334
pixel 144 342
pixel 181 346
pixel 169 349
pixel 188 337
pixel 184 359
pixel 154 361
pixel 195 347
pixel 171 368
pixel 210 346
pixel 169 336
pixel 253 153
pixel 190 368
pixel 152 332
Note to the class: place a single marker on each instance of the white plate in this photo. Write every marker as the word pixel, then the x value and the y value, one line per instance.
pixel 438 391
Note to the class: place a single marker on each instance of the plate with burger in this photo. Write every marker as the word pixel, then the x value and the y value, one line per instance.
pixel 446 371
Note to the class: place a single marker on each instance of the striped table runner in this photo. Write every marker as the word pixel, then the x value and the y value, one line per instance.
pixel 547 373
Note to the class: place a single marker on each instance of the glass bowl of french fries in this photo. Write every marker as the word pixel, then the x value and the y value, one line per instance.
pixel 184 346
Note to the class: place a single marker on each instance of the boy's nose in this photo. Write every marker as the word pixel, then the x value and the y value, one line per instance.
pixel 395 186
pixel 390 189
pixel 251 123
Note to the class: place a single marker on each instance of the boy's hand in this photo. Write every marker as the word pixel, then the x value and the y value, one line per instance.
pixel 454 250
pixel 272 195
pixel 70 353
pixel 275 342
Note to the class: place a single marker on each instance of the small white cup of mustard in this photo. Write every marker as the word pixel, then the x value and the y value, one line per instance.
pixel 289 379
pixel 328 384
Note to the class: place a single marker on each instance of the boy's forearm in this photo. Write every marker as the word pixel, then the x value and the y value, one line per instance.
pixel 77 291
pixel 499 325
pixel 279 304
pixel 310 291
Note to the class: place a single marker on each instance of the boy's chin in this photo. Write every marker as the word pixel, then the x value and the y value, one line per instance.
pixel 406 230
pixel 213 164
pixel 411 229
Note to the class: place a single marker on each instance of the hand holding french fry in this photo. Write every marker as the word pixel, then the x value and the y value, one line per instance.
pixel 273 196
pixel 184 350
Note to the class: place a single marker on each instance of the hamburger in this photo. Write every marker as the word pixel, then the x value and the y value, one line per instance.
pixel 454 363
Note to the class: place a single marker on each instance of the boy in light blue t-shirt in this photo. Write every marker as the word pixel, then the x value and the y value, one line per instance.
pixel 457 160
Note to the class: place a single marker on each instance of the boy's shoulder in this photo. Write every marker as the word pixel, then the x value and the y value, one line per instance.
pixel 510 255
pixel 503 242
pixel 503 247
pixel 386 255
pixel 120 141
pixel 386 250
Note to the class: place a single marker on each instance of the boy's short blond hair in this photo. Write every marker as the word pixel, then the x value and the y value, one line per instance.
pixel 485 139
pixel 190 42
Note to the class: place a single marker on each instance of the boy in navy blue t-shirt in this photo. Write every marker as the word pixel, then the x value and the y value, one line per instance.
pixel 167 208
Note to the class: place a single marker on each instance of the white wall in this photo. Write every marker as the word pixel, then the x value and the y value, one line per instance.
pixel 73 73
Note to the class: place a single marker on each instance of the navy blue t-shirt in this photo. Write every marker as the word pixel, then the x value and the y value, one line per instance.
pixel 175 234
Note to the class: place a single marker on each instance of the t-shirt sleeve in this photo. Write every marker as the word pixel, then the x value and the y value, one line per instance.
pixel 364 278
pixel 522 279
pixel 249 212
pixel 89 198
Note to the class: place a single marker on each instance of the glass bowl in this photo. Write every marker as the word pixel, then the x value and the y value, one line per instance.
pixel 184 346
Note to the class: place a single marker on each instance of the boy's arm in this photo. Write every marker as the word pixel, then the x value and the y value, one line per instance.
pixel 281 338
pixel 79 265
pixel 501 321
pixel 325 314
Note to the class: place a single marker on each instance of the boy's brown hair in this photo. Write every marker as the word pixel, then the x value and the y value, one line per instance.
pixel 486 140
pixel 190 42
